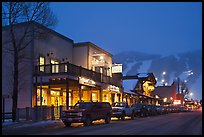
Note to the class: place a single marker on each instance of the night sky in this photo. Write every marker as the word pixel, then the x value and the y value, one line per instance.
pixel 151 27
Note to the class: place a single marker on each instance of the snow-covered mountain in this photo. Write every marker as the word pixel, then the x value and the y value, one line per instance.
pixel 187 66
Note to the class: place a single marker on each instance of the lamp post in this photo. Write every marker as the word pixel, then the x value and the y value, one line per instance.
pixel 163 74
pixel 191 94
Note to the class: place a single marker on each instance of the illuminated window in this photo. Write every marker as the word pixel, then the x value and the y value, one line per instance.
pixel 65 68
pixel 42 62
pixel 55 93
pixel 94 96
pixel 43 98
pixel 55 67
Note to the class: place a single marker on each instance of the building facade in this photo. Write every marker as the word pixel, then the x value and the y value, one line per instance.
pixel 55 71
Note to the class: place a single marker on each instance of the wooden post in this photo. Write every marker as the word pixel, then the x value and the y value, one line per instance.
pixel 61 109
pixel 17 114
pixel 80 92
pixel 67 93
pixel 27 113
pixel 3 109
pixel 100 94
pixel 52 113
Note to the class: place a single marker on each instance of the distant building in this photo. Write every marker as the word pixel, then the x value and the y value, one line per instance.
pixel 166 93
pixel 141 85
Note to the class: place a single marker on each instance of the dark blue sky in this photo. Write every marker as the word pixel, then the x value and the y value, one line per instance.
pixel 151 27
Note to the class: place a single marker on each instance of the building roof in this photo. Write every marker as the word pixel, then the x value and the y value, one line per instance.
pixel 142 75
pixel 42 27
pixel 88 43
pixel 165 91
pixel 129 92
pixel 129 84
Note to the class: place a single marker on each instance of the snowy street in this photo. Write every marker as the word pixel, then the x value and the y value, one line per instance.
pixel 183 123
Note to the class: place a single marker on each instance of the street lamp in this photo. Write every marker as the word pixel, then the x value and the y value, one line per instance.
pixel 163 74
pixel 191 94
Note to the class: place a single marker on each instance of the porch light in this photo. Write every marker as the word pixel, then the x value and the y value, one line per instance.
pixel 165 99
pixel 101 58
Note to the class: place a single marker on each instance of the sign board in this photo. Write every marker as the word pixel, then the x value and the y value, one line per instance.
pixel 113 88
pixel 87 82
pixel 117 68
pixel 176 102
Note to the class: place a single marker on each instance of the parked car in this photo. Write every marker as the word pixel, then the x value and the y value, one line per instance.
pixel 152 109
pixel 121 109
pixel 87 112
pixel 140 109
pixel 160 109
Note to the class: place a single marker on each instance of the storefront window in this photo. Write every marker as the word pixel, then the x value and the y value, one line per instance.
pixel 94 97
pixel 54 93
pixel 44 97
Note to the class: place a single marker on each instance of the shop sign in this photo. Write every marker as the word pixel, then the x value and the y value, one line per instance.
pixel 87 82
pixel 176 102
pixel 117 68
pixel 114 88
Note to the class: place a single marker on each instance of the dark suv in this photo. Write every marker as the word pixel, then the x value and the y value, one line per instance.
pixel 140 109
pixel 86 112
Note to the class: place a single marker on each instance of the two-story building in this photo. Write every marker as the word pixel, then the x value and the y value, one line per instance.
pixel 53 70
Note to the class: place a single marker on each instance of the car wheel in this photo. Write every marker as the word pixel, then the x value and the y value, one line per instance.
pixel 67 124
pixel 87 121
pixel 132 115
pixel 123 116
pixel 107 119
pixel 142 113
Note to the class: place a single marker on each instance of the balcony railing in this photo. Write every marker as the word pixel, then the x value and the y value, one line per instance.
pixel 74 70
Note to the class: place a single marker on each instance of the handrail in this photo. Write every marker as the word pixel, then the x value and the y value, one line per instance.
pixel 74 70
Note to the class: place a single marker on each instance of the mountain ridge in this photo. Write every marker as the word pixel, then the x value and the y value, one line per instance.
pixel 185 65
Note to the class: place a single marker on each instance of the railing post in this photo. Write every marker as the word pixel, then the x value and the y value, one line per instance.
pixel 3 109
pixel 101 77
pixel 35 113
pixel 27 113
pixel 61 109
pixel 50 68
pixel 52 113
pixel 17 114
pixel 67 67
pixel 44 112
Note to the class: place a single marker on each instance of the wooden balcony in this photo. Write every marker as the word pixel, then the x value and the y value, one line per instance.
pixel 74 70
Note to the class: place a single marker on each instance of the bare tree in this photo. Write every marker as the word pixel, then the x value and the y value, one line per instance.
pixel 14 13
pixel 182 87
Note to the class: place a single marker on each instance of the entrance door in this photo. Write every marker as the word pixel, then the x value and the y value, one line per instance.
pixel 55 101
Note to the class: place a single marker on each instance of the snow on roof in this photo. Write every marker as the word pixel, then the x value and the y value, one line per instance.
pixel 142 75
pixel 129 92
pixel 129 84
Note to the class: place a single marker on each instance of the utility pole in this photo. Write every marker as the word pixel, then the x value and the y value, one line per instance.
pixel 178 80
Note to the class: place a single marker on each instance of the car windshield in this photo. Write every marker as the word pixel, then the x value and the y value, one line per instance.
pixel 83 105
pixel 118 105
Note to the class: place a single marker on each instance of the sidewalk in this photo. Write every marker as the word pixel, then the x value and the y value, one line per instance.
pixel 23 124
